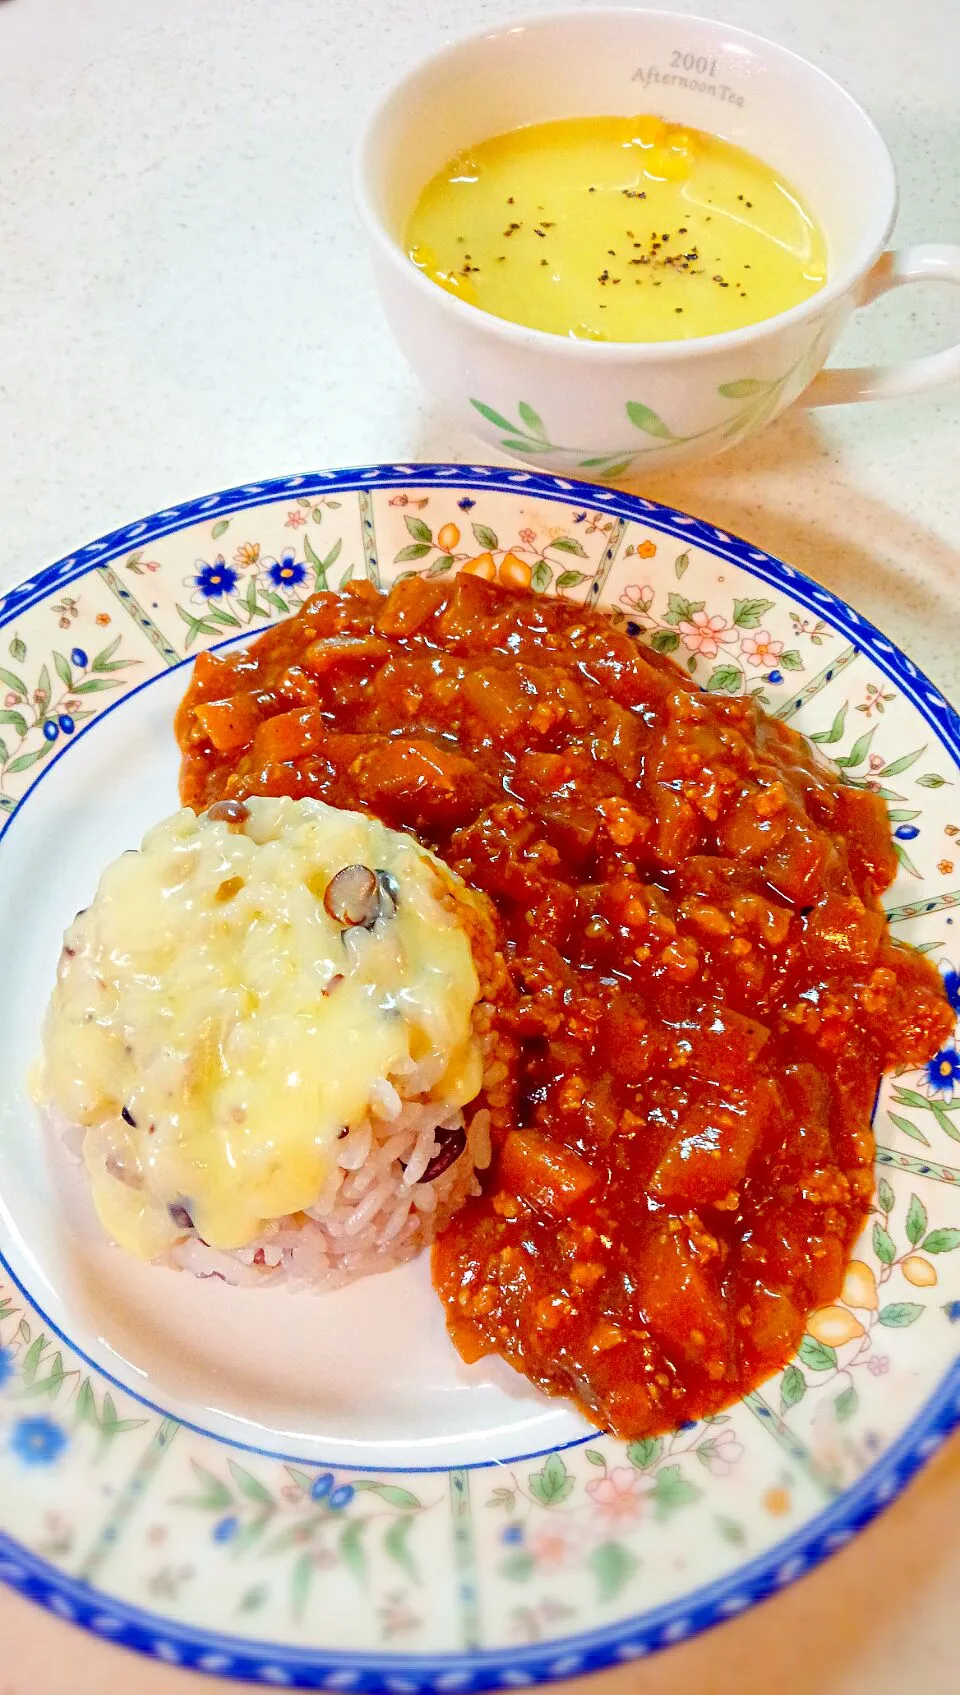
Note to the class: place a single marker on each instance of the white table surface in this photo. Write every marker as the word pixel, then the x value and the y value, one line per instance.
pixel 183 305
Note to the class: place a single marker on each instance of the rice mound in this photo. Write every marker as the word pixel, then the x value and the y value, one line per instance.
pixel 373 1214
pixel 132 1068
pixel 375 1211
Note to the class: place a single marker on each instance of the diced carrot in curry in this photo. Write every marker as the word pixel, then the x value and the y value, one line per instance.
pixel 331 652
pixel 680 1295
pixel 230 724
pixel 708 1159
pixel 544 1173
pixel 841 929
pixel 862 819
pixel 412 603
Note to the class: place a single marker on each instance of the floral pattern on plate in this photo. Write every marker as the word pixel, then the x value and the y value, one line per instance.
pixel 505 541
pixel 61 666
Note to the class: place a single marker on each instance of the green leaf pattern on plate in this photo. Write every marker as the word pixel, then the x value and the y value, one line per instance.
pixel 560 1516
pixel 36 720
pixel 847 1338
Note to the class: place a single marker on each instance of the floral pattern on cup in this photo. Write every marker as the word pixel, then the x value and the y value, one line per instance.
pixel 754 401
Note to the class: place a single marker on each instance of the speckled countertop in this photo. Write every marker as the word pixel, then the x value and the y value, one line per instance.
pixel 184 307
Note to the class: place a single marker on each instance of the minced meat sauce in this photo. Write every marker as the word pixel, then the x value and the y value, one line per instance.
pixel 706 991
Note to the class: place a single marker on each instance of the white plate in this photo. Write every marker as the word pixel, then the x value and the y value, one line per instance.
pixel 317 1491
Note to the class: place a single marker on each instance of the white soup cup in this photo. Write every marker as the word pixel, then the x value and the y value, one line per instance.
pixel 610 409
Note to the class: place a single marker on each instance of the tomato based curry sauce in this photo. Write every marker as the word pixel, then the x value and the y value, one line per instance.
pixel 704 987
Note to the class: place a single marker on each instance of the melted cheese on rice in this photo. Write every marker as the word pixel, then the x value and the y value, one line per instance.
pixel 208 993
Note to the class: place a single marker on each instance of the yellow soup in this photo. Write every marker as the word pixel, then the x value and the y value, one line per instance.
pixel 617 229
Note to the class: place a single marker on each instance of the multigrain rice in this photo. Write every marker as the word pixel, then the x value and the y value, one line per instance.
pixel 183 981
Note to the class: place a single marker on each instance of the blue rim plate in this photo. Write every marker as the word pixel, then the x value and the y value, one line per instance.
pixel 153 1490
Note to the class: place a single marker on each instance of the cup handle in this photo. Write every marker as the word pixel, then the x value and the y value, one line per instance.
pixel 930 262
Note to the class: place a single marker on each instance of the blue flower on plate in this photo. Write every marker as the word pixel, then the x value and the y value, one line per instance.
pixel 6 1365
pixel 342 1497
pixel 286 572
pixel 774 676
pixel 951 984
pixel 226 1529
pixel 38 1441
pixel 512 1535
pixel 466 504
pixel 79 659
pixel 952 1310
pixel 217 579
pixel 942 1072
